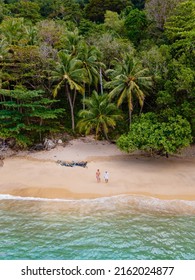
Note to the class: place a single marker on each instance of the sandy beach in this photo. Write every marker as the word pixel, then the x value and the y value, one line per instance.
pixel 37 174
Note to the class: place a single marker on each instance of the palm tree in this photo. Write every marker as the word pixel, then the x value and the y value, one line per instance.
pixel 72 42
pixel 90 57
pixel 69 74
pixel 99 116
pixel 129 79
pixel 13 29
pixel 31 34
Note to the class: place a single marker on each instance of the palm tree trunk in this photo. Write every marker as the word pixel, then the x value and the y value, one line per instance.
pixel 130 118
pixel 84 97
pixel 106 136
pixel 101 83
pixel 74 97
pixel 72 117
pixel 84 100
pixel 71 107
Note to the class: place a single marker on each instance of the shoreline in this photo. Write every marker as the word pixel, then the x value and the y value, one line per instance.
pixel 30 194
pixel 38 174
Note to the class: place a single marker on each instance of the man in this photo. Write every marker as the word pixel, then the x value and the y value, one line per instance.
pixel 106 176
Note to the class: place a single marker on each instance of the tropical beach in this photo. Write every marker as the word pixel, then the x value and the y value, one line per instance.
pixel 38 174
pixel 50 211
pixel 97 130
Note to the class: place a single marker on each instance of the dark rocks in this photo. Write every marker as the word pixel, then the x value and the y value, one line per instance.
pixel 49 144
pixel 72 163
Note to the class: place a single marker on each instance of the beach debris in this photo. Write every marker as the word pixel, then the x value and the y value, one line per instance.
pixel 72 163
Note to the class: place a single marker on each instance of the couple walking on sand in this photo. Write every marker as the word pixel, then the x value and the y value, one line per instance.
pixel 106 176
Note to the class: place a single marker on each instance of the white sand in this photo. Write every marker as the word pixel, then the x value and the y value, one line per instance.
pixel 37 174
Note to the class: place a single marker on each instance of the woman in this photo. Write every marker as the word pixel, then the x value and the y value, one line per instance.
pixel 98 175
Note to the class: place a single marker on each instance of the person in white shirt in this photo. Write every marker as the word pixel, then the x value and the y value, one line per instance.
pixel 106 176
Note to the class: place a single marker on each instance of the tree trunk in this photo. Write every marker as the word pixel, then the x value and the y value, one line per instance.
pixel 84 97
pixel 71 107
pixel 40 134
pixel 101 83
pixel 84 100
pixel 106 136
pixel 74 97
pixel 130 117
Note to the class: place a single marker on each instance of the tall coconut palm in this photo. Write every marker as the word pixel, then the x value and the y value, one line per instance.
pixel 90 57
pixel 129 80
pixel 99 117
pixel 69 75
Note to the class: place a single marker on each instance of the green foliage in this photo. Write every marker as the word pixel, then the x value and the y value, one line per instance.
pixel 158 11
pixel 13 29
pixel 129 80
pixel 152 135
pixel 26 116
pixel 1 11
pixel 70 76
pixel 180 28
pixel 114 23
pixel 60 9
pixel 68 47
pixel 164 98
pixel 138 3
pixel 96 9
pixel 100 116
pixel 136 24
pixel 90 58
pixel 180 77
pixel 156 59
pixel 175 90
pixel 45 7
pixel 111 48
pixel 87 28
pixel 51 33
pixel 22 65
pixel 26 9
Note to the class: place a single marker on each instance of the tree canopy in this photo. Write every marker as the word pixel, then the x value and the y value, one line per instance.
pixel 138 55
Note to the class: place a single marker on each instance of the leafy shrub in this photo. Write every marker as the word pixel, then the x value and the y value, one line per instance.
pixel 149 134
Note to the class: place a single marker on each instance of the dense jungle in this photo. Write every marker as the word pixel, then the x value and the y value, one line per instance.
pixel 121 70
